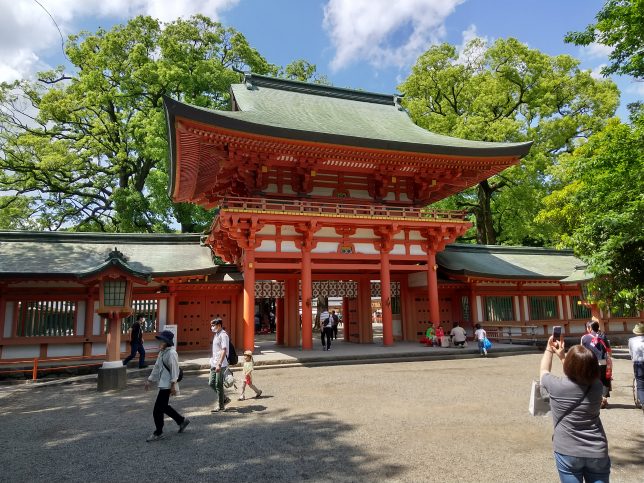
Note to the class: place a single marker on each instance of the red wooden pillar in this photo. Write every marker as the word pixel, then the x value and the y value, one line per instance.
pixel 432 287
pixel 249 300
pixel 385 298
pixel 89 324
pixel 279 320
pixel 307 294
pixel 113 346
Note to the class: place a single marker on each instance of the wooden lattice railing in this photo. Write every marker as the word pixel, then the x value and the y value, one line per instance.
pixel 345 209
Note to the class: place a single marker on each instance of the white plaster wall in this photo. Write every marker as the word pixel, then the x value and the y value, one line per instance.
pixel 363 233
pixel 163 313
pixel 289 247
pixel 287 189
pixel 415 235
pixel 322 191
pixel 561 311
pixel 64 350
pixel 327 232
pixel 267 230
pixel 360 194
pixel 397 250
pixel 366 248
pixel 8 319
pixel 267 246
pixel 479 309
pixel 568 307
pixel 98 349
pixel 326 247
pixel 96 321
pixel 417 279
pixel 270 188
pixel 416 250
pixel 288 230
pixel 399 236
pixel 525 308
pixel 80 317
pixel 20 351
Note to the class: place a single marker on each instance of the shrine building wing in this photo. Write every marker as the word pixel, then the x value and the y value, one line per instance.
pixel 288 139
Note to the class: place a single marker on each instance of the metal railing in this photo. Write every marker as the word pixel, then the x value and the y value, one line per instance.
pixel 512 332
pixel 321 208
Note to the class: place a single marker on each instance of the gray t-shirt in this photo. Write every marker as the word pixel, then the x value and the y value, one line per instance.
pixel 580 432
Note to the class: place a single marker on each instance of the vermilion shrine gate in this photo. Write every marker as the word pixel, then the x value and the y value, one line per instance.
pixel 317 183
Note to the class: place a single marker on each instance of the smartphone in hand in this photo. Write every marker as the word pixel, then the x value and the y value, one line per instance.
pixel 556 332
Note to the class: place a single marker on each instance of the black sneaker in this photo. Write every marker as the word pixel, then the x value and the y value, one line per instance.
pixel 183 425
pixel 226 400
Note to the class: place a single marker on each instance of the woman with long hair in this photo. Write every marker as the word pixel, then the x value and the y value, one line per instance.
pixel 579 441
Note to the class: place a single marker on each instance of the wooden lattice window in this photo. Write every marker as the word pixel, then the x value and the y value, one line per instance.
pixel 579 311
pixel 46 318
pixel 543 308
pixel 498 309
pixel 149 308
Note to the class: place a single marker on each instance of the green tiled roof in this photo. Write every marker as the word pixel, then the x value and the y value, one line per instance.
pixel 310 112
pixel 507 262
pixel 65 254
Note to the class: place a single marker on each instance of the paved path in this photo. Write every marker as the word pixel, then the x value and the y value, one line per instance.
pixel 443 420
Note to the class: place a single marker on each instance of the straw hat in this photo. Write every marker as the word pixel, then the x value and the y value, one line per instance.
pixel 639 329
pixel 248 353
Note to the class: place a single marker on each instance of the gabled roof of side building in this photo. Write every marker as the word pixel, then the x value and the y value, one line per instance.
pixel 67 254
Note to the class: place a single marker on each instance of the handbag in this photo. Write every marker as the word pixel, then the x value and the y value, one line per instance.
pixel 487 345
pixel 539 400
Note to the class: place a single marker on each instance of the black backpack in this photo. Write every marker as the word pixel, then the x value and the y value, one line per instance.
pixel 232 354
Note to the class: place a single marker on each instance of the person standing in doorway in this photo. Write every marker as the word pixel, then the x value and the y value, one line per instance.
pixel 336 322
pixel 136 341
pixel 324 318
pixel 218 364
pixel 480 335
pixel 165 372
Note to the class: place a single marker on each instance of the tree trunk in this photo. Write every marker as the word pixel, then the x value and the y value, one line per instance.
pixel 485 233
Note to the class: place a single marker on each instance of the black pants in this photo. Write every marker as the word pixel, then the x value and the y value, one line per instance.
pixel 328 332
pixel 322 337
pixel 335 331
pixel 162 407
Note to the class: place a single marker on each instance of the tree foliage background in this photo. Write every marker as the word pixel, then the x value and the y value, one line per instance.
pixel 86 149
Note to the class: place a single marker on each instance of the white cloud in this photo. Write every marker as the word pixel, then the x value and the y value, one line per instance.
pixel 383 32
pixel 596 72
pixel 28 33
pixel 475 52
pixel 595 51
pixel 636 87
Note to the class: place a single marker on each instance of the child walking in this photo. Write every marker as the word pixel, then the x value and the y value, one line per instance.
pixel 248 376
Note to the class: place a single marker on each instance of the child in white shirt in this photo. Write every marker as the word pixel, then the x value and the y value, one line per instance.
pixel 248 376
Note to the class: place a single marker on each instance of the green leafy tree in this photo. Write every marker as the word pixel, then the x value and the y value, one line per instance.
pixel 87 149
pixel 598 209
pixel 620 25
pixel 303 71
pixel 508 92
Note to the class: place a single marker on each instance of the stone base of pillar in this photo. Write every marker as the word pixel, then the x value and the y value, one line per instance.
pixel 111 378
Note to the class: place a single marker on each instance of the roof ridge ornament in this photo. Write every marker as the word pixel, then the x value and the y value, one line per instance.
pixel 116 255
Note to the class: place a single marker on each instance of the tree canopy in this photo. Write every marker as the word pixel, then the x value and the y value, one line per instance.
pixel 508 92
pixel 597 208
pixel 87 149
pixel 620 25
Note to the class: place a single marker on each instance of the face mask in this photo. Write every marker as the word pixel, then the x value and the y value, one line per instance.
pixel 213 329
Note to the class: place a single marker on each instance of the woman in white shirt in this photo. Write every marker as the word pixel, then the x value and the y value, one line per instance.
pixel 636 350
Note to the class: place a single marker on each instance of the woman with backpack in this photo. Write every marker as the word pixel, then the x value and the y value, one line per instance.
pixel 166 373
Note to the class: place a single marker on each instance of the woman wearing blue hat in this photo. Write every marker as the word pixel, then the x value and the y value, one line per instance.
pixel 165 373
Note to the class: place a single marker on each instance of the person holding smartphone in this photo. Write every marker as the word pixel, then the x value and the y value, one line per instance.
pixel 595 341
pixel 579 441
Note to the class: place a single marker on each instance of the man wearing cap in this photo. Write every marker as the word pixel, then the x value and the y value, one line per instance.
pixel 166 373
pixel 636 350
pixel 218 363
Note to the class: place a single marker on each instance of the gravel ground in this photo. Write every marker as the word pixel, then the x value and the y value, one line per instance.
pixel 448 421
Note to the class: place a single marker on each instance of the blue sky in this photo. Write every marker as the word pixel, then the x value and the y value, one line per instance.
pixel 367 44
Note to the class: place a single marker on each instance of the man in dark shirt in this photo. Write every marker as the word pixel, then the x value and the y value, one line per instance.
pixel 136 341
